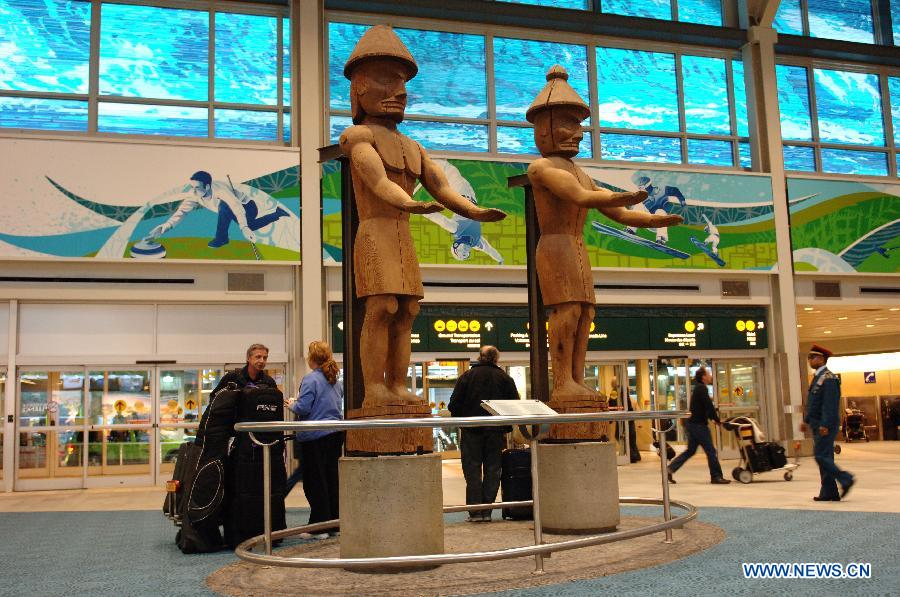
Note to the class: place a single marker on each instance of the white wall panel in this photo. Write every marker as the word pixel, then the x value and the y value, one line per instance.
pixel 4 332
pixel 220 329
pixel 72 330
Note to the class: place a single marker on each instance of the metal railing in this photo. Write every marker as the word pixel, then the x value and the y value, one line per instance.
pixel 538 426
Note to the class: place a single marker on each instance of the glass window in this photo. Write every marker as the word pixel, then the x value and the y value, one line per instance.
pixel 574 4
pixel 43 114
pixel 45 45
pixel 800 158
pixel 846 20
pixel 848 107
pixel 704 12
pixel 637 90
pixel 705 95
pixel 895 21
pixel 451 79
pixel 246 59
pixel 452 71
pixel 845 161
pixel 793 102
pixel 745 155
pixel 789 18
pixel 246 124
pixel 140 119
pixel 160 53
pixel 894 88
pixel 516 139
pixel 447 136
pixel 520 69
pixel 337 126
pixel 286 62
pixel 651 9
pixel 641 148
pixel 740 98
pixel 712 153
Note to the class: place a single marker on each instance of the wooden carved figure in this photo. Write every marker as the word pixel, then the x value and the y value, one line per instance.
pixel 563 193
pixel 386 165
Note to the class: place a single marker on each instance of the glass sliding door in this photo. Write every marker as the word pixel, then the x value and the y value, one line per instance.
pixel 51 429
pixel 738 393
pixel 183 396
pixel 121 418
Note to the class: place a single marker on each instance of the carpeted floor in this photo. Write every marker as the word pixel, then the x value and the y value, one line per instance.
pixel 133 553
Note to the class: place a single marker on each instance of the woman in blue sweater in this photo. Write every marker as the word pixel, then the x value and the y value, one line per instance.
pixel 321 399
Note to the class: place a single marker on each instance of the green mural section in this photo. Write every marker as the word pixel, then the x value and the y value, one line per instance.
pixel 845 227
pixel 728 220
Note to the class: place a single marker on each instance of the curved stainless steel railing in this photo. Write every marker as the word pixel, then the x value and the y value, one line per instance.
pixel 538 550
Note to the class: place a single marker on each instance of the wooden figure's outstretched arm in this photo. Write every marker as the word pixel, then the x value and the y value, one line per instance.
pixel 435 182
pixel 564 185
pixel 640 219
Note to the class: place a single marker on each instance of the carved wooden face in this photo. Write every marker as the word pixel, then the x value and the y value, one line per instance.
pixel 379 89
pixel 557 131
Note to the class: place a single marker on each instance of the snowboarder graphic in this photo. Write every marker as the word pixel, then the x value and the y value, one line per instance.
pixel 658 202
pixel 713 235
pixel 466 233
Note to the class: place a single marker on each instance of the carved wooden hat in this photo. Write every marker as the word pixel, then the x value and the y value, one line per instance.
pixel 557 92
pixel 380 41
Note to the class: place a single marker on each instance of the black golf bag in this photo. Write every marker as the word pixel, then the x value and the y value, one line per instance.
pixel 244 504
pixel 197 489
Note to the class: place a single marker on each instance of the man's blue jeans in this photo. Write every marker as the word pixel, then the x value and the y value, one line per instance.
pixel 699 435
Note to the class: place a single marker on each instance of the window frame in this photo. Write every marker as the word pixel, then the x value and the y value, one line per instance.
pixel 891 149
pixel 591 42
pixel 282 108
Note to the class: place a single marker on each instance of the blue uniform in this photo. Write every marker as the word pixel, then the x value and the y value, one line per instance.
pixel 822 406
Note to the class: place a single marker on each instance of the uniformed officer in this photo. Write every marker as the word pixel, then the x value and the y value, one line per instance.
pixel 822 418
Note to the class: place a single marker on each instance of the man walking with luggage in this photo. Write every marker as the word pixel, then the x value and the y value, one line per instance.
pixel 822 418
pixel 697 426
pixel 481 447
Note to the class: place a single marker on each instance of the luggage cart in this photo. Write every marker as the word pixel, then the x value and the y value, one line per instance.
pixel 758 457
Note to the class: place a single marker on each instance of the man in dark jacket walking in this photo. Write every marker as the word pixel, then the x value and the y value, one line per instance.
pixel 481 447
pixel 697 426
pixel 252 374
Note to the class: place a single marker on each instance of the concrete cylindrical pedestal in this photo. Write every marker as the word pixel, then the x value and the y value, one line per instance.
pixel 579 488
pixel 391 506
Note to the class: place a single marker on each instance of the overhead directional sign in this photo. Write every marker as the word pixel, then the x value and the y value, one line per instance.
pixel 465 328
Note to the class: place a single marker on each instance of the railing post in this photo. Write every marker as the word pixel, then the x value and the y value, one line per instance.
pixel 664 466
pixel 267 497
pixel 536 506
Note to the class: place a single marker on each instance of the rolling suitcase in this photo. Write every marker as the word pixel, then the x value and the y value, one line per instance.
pixel 515 483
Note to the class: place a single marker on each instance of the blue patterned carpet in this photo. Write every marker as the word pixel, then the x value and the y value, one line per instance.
pixel 133 553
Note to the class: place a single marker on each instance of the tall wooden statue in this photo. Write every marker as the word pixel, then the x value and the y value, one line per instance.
pixel 385 165
pixel 563 193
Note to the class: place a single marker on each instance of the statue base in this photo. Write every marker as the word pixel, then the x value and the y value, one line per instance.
pixel 579 488
pixel 390 442
pixel 578 431
pixel 391 506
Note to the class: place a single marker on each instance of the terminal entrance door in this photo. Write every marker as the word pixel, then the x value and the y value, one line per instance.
pixel 438 378
pixel 80 427
pixel 738 393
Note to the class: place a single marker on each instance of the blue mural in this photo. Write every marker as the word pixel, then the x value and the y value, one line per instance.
pixel 793 102
pixel 651 9
pixel 46 45
pixel 44 114
pixel 848 106
pixel 644 148
pixel 574 4
pixel 142 119
pixel 703 12
pixel 705 96
pixel 151 52
pixel 638 89
pixel 520 67
pixel 246 59
pixel 845 20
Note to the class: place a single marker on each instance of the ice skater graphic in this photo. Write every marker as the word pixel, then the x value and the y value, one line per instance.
pixel 658 202
pixel 466 233
pixel 250 210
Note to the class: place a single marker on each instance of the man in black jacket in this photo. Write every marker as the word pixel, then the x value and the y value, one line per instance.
pixel 702 410
pixel 252 373
pixel 481 447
